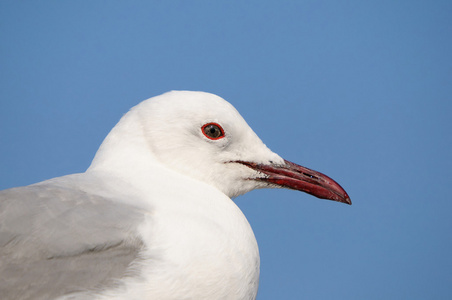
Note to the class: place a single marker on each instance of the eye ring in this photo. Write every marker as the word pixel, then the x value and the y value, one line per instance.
pixel 212 131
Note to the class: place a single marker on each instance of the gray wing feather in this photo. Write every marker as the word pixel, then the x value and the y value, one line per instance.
pixel 57 239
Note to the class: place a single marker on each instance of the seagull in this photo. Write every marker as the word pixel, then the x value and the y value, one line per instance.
pixel 153 216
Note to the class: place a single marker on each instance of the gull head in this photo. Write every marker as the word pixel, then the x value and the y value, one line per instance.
pixel 202 136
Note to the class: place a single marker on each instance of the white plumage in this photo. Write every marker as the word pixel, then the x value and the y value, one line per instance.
pixel 152 217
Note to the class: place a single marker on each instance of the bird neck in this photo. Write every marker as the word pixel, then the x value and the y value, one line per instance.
pixel 125 152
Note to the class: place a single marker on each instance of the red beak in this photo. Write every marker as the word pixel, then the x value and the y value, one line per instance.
pixel 299 178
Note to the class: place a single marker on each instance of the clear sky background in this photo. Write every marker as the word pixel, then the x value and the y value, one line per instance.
pixel 359 90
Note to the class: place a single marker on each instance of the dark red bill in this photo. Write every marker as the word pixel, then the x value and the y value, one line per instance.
pixel 299 178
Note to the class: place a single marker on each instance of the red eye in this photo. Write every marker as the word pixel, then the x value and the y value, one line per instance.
pixel 213 131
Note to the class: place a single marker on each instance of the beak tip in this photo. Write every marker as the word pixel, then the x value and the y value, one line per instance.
pixel 348 201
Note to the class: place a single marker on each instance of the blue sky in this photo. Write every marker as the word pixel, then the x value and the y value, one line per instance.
pixel 359 90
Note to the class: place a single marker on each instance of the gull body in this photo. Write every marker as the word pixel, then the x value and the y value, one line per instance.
pixel 152 217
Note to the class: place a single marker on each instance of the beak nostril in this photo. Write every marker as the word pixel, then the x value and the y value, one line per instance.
pixel 310 176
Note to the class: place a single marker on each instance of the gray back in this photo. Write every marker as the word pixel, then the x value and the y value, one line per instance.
pixel 57 239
